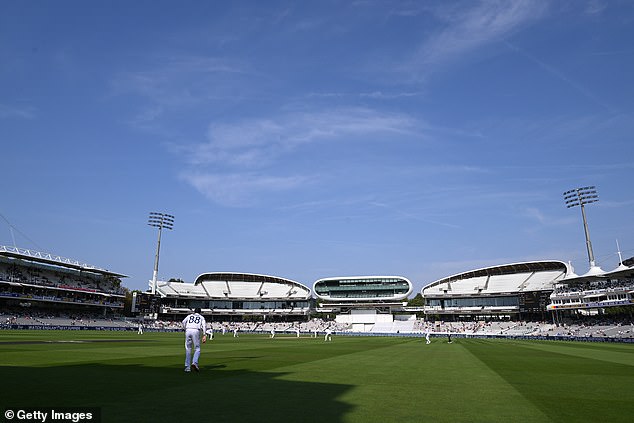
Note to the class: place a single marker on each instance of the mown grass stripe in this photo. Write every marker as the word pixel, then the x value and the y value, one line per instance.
pixel 352 379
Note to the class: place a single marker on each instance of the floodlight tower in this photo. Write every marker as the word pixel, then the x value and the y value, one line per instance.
pixel 580 197
pixel 160 221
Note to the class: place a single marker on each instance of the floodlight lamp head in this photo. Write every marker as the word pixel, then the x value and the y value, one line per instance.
pixel 581 196
pixel 161 220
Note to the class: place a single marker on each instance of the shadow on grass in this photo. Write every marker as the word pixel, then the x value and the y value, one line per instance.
pixel 135 393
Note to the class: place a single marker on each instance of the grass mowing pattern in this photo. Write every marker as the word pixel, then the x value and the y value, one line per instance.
pixel 253 378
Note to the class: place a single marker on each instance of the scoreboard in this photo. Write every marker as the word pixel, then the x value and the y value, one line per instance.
pixel 145 303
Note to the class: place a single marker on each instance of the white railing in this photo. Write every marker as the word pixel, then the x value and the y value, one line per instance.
pixel 47 256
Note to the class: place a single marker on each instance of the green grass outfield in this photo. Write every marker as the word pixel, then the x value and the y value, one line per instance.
pixel 140 378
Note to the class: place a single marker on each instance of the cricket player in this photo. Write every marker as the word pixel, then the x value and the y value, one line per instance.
pixel 194 326
pixel 140 332
pixel 328 336
pixel 427 341
pixel 297 332
pixel 272 333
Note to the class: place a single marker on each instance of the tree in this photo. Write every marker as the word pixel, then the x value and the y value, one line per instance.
pixel 417 301
pixel 127 304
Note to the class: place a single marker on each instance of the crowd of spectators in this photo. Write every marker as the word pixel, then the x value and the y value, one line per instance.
pixel 38 317
pixel 59 278
pixel 589 326
pixel 59 296
pixel 594 287
pixel 310 327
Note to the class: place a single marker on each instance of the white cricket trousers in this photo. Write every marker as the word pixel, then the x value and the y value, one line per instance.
pixel 192 340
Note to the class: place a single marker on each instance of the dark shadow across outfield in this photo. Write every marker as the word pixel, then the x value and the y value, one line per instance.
pixel 134 393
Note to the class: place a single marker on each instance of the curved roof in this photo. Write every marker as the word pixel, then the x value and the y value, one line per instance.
pixel 232 285
pixel 242 277
pixel 506 278
pixel 363 288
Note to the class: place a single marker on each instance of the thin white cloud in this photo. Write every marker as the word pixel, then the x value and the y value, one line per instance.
pixel 564 129
pixel 16 112
pixel 536 214
pixel 259 142
pixel 257 154
pixel 250 152
pixel 390 96
pixel 307 25
pixel 237 189
pixel 563 77
pixel 595 7
pixel 403 214
pixel 177 82
pixel 379 95
pixel 468 28
pixel 407 10
pixel 615 204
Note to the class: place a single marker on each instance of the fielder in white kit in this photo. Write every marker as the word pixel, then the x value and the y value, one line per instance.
pixel 194 326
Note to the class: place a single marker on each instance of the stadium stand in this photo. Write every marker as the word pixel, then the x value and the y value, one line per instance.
pixel 367 303
pixel 543 300
pixel 231 295
pixel 37 280
pixel 518 290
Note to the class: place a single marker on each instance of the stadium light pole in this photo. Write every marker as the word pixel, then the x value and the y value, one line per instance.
pixel 580 197
pixel 160 221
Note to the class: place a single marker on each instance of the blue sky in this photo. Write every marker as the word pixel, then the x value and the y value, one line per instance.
pixel 316 139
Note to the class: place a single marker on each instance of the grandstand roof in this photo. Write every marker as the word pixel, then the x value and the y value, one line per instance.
pixel 233 285
pixel 479 279
pixel 621 272
pixel 242 277
pixel 47 258
pixel 507 269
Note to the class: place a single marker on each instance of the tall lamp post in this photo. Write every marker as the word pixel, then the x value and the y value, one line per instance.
pixel 580 197
pixel 160 221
